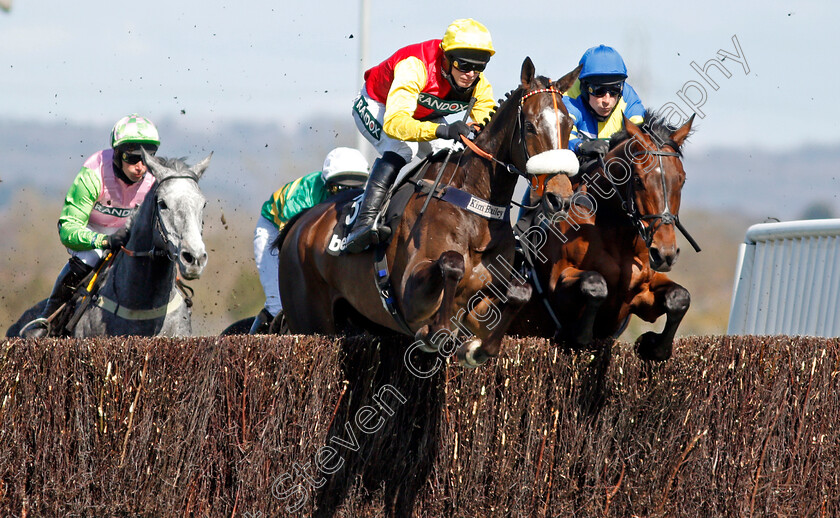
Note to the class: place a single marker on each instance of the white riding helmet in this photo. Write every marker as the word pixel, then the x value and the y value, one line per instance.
pixel 346 167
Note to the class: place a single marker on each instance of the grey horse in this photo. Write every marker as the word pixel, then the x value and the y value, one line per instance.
pixel 141 294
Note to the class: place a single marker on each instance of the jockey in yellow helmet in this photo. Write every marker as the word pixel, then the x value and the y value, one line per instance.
pixel 401 108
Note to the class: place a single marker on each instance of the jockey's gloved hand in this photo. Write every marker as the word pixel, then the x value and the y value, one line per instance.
pixel 594 148
pixel 116 240
pixel 453 131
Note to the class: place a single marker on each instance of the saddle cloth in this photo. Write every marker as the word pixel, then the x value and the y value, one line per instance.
pixel 399 196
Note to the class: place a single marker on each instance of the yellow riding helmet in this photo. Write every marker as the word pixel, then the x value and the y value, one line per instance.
pixel 467 33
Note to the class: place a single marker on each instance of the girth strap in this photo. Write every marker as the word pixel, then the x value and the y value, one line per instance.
pixel 383 285
pixel 139 314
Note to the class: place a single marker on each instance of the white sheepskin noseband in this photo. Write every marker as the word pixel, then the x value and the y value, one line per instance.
pixel 552 162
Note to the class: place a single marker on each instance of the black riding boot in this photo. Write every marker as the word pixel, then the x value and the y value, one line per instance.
pixel 381 178
pixel 262 322
pixel 65 286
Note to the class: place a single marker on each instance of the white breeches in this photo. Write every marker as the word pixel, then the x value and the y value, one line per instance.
pixel 267 264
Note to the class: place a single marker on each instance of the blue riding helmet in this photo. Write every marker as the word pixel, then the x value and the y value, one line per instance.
pixel 602 61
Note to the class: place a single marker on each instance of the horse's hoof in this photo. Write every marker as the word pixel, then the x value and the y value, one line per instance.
pixel 422 335
pixel 38 328
pixel 471 355
pixel 649 348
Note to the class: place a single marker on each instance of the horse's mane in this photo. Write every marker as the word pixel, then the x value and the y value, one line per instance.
pixel 515 95
pixel 655 125
pixel 278 242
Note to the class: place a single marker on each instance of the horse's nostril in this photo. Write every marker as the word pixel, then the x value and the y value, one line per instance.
pixel 187 257
pixel 655 256
pixel 555 203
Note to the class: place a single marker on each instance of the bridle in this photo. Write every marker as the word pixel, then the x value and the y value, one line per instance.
pixel 163 234
pixel 159 226
pixel 520 122
pixel 521 116
pixel 665 217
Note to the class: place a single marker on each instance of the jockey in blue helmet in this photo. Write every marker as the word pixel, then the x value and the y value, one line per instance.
pixel 598 100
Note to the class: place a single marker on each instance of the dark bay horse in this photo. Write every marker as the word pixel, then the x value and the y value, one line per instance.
pixel 449 268
pixel 141 294
pixel 603 260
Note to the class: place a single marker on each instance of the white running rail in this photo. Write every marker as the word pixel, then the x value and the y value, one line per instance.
pixel 787 281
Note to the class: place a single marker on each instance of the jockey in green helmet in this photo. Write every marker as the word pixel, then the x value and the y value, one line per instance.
pixel 111 183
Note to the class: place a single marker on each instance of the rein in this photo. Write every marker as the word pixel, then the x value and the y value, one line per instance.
pixel 487 208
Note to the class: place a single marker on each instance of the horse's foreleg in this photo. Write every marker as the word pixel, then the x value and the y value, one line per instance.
pixel 429 283
pixel 311 312
pixel 590 288
pixel 663 296
pixel 490 319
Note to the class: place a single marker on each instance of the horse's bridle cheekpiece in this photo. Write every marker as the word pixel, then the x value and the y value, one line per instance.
pixel 159 226
pixel 666 217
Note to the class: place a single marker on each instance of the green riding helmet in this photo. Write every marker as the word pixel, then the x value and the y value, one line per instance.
pixel 134 129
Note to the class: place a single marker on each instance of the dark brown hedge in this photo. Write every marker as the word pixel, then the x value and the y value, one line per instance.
pixel 235 426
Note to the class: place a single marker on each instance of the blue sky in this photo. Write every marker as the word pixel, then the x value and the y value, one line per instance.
pixel 263 60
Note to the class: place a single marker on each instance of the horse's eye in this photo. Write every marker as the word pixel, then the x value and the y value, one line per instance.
pixel 638 183
pixel 162 205
pixel 530 128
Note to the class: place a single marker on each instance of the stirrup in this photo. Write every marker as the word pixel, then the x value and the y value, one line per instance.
pixel 40 322
pixel 363 240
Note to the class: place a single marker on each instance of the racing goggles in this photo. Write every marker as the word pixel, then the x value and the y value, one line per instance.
pixel 602 90
pixel 467 66
pixel 132 156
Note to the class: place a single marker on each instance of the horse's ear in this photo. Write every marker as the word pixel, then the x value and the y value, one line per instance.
pixel 680 135
pixel 199 168
pixel 564 83
pixel 528 72
pixel 153 163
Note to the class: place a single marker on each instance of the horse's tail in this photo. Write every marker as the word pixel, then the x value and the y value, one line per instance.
pixel 278 243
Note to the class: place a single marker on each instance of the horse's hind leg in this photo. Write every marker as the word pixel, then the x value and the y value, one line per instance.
pixel 665 296
pixel 434 281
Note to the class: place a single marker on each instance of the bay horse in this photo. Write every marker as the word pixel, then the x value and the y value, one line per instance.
pixel 141 293
pixel 605 258
pixel 450 268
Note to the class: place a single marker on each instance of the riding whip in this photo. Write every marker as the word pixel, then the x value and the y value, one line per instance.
pixel 445 161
